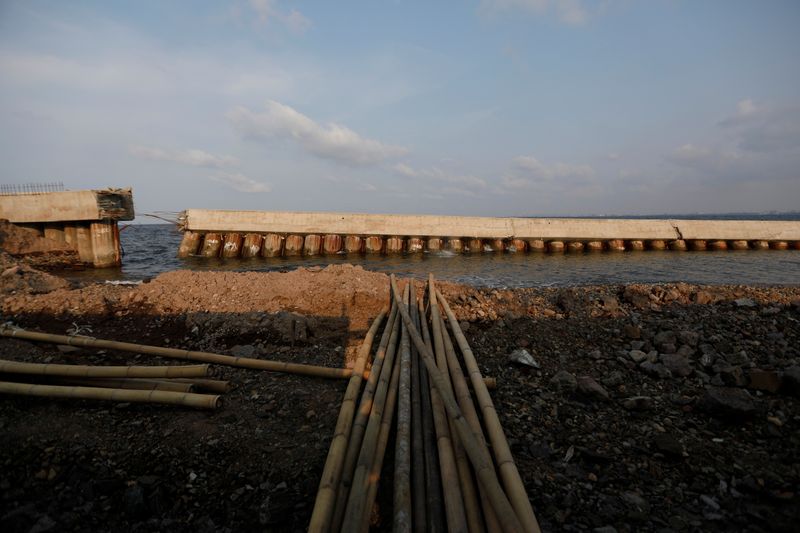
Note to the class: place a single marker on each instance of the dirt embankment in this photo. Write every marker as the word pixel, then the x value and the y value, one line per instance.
pixel 653 407
pixel 35 250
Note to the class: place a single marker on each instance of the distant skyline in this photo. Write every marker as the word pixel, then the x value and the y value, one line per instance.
pixel 491 107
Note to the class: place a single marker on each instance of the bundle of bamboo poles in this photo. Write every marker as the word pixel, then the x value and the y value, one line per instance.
pixel 444 475
pixel 184 385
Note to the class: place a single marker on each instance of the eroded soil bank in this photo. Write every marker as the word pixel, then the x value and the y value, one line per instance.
pixel 654 407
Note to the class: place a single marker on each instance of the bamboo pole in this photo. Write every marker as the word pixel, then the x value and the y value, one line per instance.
pixel 356 500
pixel 85 371
pixel 419 513
pixel 470 413
pixel 432 476
pixel 210 385
pixel 385 352
pixel 175 353
pixel 505 460
pixel 402 454
pixel 374 475
pixel 453 499
pixel 329 482
pixel 123 383
pixel 480 461
pixel 468 492
pixel 201 401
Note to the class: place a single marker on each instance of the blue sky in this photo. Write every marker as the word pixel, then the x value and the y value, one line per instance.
pixel 490 107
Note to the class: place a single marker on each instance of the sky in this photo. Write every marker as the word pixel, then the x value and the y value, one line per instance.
pixel 486 107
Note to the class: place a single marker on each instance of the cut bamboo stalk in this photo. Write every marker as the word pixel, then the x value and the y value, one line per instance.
pixel 83 371
pixel 385 429
pixel 453 499
pixel 175 353
pixel 468 492
pixel 505 460
pixel 329 482
pixel 385 352
pixel 467 406
pixel 480 462
pixel 123 383
pixel 402 453
pixel 419 512
pixel 208 385
pixel 433 488
pixel 187 399
pixel 356 506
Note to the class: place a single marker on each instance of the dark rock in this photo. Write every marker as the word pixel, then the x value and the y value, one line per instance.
pixel 613 379
pixel 745 302
pixel 727 402
pixel 563 381
pixel 665 337
pixel 639 297
pixel 668 348
pixel 609 303
pixel 685 350
pixel 766 380
pixel 738 358
pixel 791 380
pixel 667 444
pixel 134 501
pixel 677 364
pixel 656 370
pixel 632 332
pixel 638 403
pixel 589 388
pixel 703 298
pixel 731 376
pixel 246 350
pixel 689 337
pixel 637 356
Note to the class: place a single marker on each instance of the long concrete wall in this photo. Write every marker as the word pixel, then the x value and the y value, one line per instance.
pixel 67 206
pixel 284 222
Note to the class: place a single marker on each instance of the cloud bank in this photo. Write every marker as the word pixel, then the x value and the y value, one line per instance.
pixel 191 157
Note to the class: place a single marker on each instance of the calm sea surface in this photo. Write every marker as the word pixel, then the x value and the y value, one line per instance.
pixel 151 250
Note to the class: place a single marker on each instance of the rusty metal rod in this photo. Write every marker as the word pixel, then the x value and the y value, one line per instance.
pixel 86 371
pixel 329 482
pixel 175 353
pixel 502 452
pixel 480 461
pixel 187 399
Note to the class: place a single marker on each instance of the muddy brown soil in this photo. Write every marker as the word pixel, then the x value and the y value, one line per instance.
pixel 33 249
pixel 654 407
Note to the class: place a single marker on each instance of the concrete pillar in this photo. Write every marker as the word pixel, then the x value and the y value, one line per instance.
pixel 760 245
pixel 454 244
pixel 594 246
pixel 251 246
pixel 105 244
pixel 435 244
pixel 717 246
pixel 415 245
pixel 394 245
pixel 678 245
pixel 83 236
pixel 55 232
pixel 555 247
pixel 739 245
pixel 353 244
pixel 293 246
pixel 779 245
pixel 71 235
pixel 475 246
pixel 496 245
pixel 189 243
pixel 312 245
pixel 273 245
pixel 517 246
pixel 796 245
pixel 332 244
pixel 373 244
pixel 635 246
pixel 536 246
pixel 231 245
pixel 212 242
pixel 657 245
pixel 698 245
pixel 575 247
pixel 616 245
pixel 33 228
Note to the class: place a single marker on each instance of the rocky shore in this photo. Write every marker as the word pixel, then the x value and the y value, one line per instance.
pixel 628 408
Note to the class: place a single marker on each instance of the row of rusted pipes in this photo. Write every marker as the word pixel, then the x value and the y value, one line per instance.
pixel 232 245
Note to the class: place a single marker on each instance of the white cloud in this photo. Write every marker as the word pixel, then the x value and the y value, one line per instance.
pixel 241 183
pixel 757 128
pixel 534 169
pixel 570 12
pixel 330 141
pixel 436 174
pixel 191 157
pixel 745 108
pixel 690 154
pixel 267 11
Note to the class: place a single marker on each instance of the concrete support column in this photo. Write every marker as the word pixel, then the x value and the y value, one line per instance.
pixel 555 247
pixel 251 246
pixel 594 246
pixel 635 246
pixel 394 245
pixel 212 242
pixel 189 243
pixel 698 245
pixel 575 247
pixel 332 244
pixel 54 231
pixel 657 245
pixel 373 244
pixel 678 245
pixel 106 249
pixel 231 245
pixel 312 245
pixel 616 245
pixel 415 245
pixel 293 246
pixel 83 236
pixel 717 246
pixel 273 245
pixel 517 246
pixel 739 245
pixel 454 244
pixel 435 244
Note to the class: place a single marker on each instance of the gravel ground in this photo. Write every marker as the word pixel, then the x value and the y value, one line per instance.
pixel 653 408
